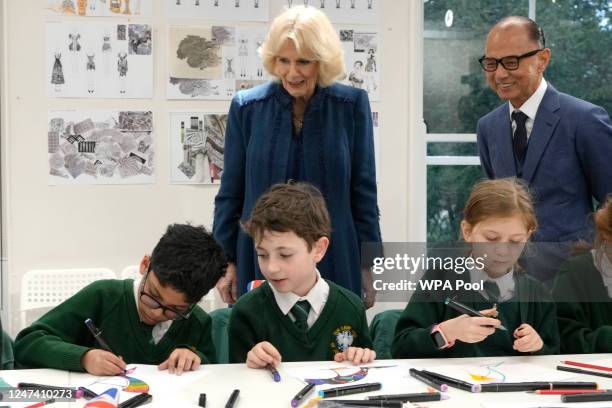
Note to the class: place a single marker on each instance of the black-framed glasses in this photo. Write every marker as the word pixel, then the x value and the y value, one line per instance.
pixel 170 312
pixel 510 63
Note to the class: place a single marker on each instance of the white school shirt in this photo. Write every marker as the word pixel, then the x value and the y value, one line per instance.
pixel 505 283
pixel 317 297
pixel 530 107
pixel 160 329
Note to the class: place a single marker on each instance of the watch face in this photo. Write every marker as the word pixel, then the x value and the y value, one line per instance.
pixel 438 339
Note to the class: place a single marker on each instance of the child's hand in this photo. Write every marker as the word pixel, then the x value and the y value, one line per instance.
pixel 356 355
pixel 180 360
pixel 262 354
pixel 101 362
pixel 527 339
pixel 470 329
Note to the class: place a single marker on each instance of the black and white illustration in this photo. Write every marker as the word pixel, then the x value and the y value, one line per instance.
pixel 99 60
pixel 361 58
pixel 344 11
pixel 57 75
pixel 99 8
pixel 101 147
pixel 220 10
pixel 213 62
pixel 346 35
pixel 140 39
pixel 196 147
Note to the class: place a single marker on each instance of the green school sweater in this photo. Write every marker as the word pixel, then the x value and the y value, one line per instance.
pixel 59 339
pixel 256 317
pixel 585 327
pixel 426 308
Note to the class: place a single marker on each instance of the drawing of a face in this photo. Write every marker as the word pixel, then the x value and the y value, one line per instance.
pixel 298 75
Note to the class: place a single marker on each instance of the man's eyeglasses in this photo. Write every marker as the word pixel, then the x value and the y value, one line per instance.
pixel 170 312
pixel 510 63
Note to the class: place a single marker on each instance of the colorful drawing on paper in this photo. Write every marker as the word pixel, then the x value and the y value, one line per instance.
pixel 489 373
pixel 126 382
pixel 99 8
pixel 136 385
pixel 108 399
pixel 344 375
pixel 495 371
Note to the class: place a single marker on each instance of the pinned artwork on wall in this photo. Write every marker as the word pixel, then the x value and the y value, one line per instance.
pixel 213 62
pixel 196 147
pixel 99 8
pixel 344 11
pixel 101 147
pixel 224 10
pixel 361 59
pixel 99 60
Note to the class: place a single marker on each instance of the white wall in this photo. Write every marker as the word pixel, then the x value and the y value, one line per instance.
pixel 113 226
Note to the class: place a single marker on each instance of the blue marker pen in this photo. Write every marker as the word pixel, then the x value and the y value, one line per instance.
pixel 275 375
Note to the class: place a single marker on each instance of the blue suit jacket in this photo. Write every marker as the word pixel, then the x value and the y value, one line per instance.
pixel 568 161
pixel 338 158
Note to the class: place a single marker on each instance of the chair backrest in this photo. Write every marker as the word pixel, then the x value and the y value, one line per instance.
pixel 131 272
pixel 45 288
pixel 382 330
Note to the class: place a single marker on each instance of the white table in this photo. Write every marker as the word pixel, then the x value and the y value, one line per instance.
pixel 258 390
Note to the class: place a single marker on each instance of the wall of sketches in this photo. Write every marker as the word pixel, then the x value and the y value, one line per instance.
pixel 115 117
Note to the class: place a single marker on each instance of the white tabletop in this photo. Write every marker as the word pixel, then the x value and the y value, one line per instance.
pixel 257 388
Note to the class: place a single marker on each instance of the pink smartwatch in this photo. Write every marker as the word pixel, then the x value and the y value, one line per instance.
pixel 439 338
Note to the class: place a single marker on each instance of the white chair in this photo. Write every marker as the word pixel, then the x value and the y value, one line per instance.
pixel 131 272
pixel 46 288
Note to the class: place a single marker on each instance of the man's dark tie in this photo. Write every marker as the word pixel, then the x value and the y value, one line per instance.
pixel 492 290
pixel 519 141
pixel 300 313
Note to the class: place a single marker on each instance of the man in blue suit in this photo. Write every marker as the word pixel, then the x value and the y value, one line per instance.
pixel 559 145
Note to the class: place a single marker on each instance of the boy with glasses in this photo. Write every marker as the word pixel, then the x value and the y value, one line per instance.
pixel 153 320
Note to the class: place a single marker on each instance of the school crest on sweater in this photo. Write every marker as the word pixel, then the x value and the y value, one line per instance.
pixel 344 336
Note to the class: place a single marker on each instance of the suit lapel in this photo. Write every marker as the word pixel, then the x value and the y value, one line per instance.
pixel 503 158
pixel 545 123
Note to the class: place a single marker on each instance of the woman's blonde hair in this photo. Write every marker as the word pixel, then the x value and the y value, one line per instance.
pixel 500 198
pixel 314 38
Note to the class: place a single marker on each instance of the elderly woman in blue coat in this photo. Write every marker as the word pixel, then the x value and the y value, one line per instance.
pixel 303 126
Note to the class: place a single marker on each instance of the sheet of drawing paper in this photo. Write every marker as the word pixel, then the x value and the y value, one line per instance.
pixel 101 147
pixel 394 377
pixel 98 60
pixel 344 11
pixel 213 62
pixel 225 10
pixel 197 140
pixel 499 371
pixel 99 8
pixel 361 59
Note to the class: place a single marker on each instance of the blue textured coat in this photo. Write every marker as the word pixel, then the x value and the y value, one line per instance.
pixel 338 150
pixel 568 161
